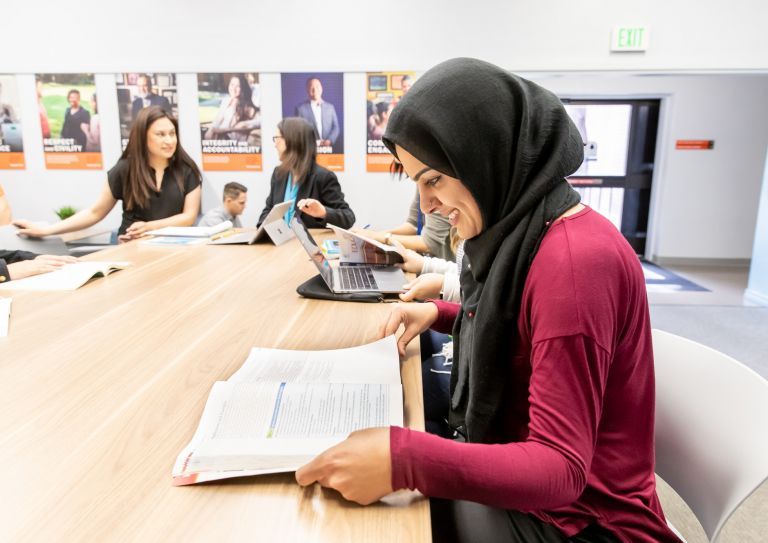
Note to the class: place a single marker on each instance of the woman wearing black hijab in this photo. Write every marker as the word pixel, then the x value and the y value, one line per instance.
pixel 552 387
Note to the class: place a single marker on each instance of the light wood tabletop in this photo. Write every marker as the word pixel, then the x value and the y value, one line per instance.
pixel 101 388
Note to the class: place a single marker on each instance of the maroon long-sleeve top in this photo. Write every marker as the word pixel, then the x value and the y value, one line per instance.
pixel 579 418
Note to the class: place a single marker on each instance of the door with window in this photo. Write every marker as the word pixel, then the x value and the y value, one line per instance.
pixel 619 151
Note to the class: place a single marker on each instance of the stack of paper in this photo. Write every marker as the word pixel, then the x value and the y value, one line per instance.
pixel 192 231
pixel 282 408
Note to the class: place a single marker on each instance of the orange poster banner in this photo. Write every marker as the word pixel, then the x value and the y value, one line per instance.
pixel 216 162
pixel 334 162
pixel 73 161
pixel 383 91
pixel 12 161
pixel 378 163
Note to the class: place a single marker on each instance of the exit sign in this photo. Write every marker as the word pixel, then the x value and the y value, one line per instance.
pixel 629 38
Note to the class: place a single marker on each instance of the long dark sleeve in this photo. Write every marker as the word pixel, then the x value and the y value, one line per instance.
pixel 337 209
pixel 11 257
pixel 270 198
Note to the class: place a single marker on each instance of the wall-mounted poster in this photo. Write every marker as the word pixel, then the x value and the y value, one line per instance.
pixel 135 91
pixel 230 121
pixel 11 146
pixel 69 118
pixel 383 90
pixel 319 98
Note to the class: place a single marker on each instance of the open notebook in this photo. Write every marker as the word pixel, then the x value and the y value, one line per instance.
pixel 68 277
pixel 282 408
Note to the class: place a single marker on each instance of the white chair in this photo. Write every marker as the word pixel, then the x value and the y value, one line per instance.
pixel 711 428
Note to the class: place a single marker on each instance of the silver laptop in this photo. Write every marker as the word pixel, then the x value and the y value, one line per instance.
pixel 273 227
pixel 347 277
pixel 51 245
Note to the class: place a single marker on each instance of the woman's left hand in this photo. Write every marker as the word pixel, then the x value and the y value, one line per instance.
pixel 312 207
pixel 360 467
pixel 424 287
pixel 412 261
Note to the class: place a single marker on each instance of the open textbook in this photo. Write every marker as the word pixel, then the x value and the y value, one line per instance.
pixel 193 231
pixel 358 249
pixel 68 277
pixel 282 408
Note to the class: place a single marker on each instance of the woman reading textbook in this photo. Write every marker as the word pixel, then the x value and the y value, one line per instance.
pixel 552 384
pixel 315 190
pixel 156 180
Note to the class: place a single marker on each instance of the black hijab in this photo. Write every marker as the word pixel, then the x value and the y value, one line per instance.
pixel 512 144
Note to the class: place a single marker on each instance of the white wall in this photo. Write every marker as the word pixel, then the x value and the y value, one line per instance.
pixel 705 202
pixel 757 292
pixel 352 35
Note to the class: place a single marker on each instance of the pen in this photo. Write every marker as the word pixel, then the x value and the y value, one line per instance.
pixel 366 226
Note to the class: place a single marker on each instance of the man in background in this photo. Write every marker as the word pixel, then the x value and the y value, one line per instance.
pixel 320 114
pixel 235 198
pixel 145 97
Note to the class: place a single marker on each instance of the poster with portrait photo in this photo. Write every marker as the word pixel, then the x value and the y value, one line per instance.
pixel 69 119
pixel 229 106
pixel 138 90
pixel 11 145
pixel 319 99
pixel 383 91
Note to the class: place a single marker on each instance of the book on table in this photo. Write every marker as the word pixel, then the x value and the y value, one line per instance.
pixel 193 231
pixel 282 408
pixel 356 248
pixel 68 277
pixel 174 241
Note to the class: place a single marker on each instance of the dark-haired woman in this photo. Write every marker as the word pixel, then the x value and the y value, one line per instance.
pixel 237 116
pixel 157 181
pixel 315 190
pixel 552 384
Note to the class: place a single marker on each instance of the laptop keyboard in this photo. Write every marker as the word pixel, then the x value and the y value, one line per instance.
pixel 357 278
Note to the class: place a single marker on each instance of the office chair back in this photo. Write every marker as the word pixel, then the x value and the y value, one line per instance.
pixel 711 428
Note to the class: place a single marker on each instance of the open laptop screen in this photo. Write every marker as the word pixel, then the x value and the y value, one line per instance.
pixel 314 252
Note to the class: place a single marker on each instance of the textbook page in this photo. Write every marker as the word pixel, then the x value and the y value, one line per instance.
pixel 256 428
pixel 68 277
pixel 371 363
pixel 193 231
pixel 282 408
pixel 358 249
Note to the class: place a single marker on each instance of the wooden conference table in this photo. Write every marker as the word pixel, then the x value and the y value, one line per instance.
pixel 101 388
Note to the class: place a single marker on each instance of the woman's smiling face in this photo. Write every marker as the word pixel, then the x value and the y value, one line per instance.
pixel 443 194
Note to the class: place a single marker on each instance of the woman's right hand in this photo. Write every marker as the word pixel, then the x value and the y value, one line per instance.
pixel 28 228
pixel 416 318
pixel 412 261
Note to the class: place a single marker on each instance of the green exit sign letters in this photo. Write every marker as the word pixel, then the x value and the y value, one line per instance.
pixel 629 38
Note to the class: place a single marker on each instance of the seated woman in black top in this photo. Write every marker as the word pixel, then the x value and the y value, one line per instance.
pixel 155 178
pixel 315 190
